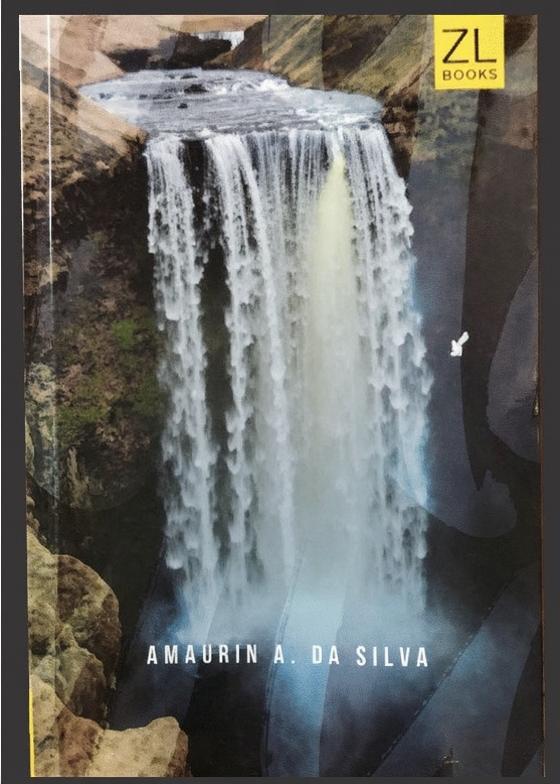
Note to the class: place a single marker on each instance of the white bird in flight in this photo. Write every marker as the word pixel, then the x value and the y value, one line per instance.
pixel 457 345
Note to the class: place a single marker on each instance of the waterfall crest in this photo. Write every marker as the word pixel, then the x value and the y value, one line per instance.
pixel 326 362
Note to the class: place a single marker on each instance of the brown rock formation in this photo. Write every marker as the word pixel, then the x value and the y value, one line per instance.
pixel 80 44
pixel 91 337
pixel 74 642
pixel 182 50
pixel 74 629
pixel 289 45
pixel 68 745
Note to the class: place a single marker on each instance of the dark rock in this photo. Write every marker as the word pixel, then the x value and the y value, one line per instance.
pixel 249 53
pixel 130 59
pixel 195 88
pixel 179 51
pixel 188 51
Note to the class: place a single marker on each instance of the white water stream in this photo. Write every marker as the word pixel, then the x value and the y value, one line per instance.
pixel 326 365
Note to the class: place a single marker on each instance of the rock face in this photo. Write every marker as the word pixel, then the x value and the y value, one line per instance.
pixel 68 745
pixel 91 405
pixel 92 395
pixel 80 44
pixel 182 50
pixel 289 45
pixel 93 401
pixel 74 643
pixel 74 629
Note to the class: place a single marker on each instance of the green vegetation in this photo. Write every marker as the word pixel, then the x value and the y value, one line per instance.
pixel 121 384
pixel 146 399
pixel 137 342
pixel 87 408
pixel 125 333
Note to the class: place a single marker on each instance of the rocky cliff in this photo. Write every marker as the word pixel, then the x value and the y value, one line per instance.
pixel 86 269
pixel 68 745
pixel 74 644
pixel 82 46
pixel 74 629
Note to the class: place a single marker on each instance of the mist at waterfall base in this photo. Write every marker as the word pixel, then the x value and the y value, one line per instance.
pixel 295 494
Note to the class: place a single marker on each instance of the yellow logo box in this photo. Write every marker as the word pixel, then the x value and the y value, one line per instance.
pixel 469 52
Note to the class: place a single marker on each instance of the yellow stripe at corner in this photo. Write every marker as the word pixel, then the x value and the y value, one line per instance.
pixel 31 738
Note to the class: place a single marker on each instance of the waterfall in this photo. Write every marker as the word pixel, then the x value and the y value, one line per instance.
pixel 325 430
pixel 187 448
pixel 233 36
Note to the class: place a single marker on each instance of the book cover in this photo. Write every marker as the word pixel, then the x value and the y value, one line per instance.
pixel 282 395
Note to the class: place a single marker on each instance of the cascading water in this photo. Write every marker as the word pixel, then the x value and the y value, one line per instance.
pixel 187 448
pixel 326 364
pixel 233 36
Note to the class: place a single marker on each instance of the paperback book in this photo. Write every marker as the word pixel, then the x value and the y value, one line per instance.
pixel 282 395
